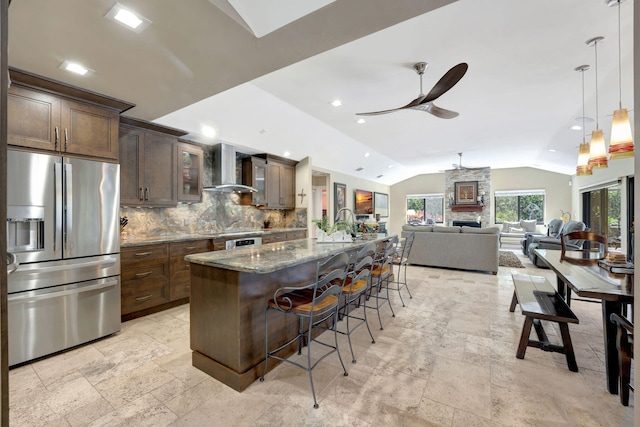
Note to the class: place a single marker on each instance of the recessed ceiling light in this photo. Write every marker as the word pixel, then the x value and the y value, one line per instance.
pixel 576 127
pixel 390 166
pixel 128 18
pixel 361 121
pixel 76 68
pixel 286 154
pixel 336 103
pixel 552 150
pixel 367 154
pixel 208 131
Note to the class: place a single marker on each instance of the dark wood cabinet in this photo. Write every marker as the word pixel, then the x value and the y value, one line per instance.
pixel 190 169
pixel 43 114
pixel 296 235
pixel 280 185
pixel 179 269
pixel 145 277
pixel 254 171
pixel 148 164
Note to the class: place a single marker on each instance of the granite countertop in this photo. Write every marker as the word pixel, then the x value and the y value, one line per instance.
pixel 274 256
pixel 227 235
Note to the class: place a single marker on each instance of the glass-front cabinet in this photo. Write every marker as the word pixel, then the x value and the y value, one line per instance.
pixel 254 172
pixel 190 178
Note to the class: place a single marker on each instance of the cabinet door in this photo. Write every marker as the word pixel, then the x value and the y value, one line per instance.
pixel 89 130
pixel 254 172
pixel 273 185
pixel 190 164
pixel 160 170
pixel 131 174
pixel 33 119
pixel 288 186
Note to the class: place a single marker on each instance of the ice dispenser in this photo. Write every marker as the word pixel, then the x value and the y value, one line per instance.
pixel 25 228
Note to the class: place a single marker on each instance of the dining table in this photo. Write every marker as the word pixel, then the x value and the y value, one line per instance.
pixel 614 290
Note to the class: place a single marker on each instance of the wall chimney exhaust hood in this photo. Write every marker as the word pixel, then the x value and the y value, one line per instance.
pixel 224 171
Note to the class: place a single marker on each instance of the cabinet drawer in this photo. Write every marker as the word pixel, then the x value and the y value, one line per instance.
pixel 145 272
pixel 219 245
pixel 273 238
pixel 295 235
pixel 186 248
pixel 143 255
pixel 140 294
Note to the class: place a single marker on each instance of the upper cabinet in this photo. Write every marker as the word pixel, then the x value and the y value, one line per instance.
pixel 44 114
pixel 148 163
pixel 190 171
pixel 281 184
pixel 274 178
pixel 254 172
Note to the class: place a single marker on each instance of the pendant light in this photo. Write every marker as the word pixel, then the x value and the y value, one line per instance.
pixel 598 151
pixel 621 145
pixel 584 168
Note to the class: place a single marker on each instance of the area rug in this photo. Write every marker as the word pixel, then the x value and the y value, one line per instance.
pixel 509 259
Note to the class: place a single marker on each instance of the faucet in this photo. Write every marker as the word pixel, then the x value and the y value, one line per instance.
pixel 353 229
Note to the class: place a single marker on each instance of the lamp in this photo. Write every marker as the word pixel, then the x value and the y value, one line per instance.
pixel 583 168
pixel 598 151
pixel 621 145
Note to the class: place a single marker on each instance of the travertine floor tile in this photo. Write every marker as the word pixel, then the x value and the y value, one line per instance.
pixel 446 359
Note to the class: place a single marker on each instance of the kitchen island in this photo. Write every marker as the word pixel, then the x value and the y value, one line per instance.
pixel 229 294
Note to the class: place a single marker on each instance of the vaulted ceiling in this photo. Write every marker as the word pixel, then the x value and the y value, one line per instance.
pixel 198 65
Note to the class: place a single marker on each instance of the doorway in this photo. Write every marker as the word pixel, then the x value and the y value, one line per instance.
pixel 319 197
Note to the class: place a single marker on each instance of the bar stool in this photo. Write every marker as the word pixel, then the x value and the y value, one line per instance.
pixel 314 305
pixel 353 291
pixel 401 259
pixel 381 275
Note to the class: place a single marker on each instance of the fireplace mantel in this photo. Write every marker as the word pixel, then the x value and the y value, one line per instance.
pixel 467 208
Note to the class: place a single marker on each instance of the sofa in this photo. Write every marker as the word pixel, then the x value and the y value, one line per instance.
pixel 517 230
pixel 554 243
pixel 464 248
pixel 553 230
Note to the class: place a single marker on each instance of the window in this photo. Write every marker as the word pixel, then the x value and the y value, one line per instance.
pixel 513 206
pixel 601 211
pixel 425 208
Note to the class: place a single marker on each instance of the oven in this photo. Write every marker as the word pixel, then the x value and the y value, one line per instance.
pixel 247 241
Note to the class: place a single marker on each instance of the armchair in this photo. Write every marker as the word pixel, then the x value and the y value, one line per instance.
pixel 553 230
pixel 554 243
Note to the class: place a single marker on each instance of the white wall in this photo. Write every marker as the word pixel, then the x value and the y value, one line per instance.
pixel 556 186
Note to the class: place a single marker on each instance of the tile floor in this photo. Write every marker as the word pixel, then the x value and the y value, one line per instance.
pixel 447 359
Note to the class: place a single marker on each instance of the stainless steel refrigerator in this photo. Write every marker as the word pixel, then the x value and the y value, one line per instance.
pixel 63 225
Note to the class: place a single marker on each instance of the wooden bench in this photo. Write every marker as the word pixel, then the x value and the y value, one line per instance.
pixel 538 301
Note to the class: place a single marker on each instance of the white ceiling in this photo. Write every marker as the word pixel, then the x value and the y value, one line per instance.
pixel 517 101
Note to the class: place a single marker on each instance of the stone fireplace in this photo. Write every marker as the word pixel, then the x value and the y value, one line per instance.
pixel 472 213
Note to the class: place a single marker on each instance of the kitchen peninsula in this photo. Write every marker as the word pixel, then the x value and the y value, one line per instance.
pixel 229 293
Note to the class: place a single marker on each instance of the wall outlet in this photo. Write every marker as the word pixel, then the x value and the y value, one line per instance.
pixel 186 221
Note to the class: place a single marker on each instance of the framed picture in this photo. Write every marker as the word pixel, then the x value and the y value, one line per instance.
pixel 381 204
pixel 466 193
pixel 339 200
pixel 364 202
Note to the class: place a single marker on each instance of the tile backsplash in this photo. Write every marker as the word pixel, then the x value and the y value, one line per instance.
pixel 217 212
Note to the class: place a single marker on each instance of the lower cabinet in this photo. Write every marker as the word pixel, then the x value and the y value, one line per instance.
pixel 179 269
pixel 156 277
pixel 145 277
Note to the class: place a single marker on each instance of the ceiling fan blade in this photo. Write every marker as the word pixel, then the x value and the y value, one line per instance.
pixel 412 104
pixel 446 82
pixel 436 111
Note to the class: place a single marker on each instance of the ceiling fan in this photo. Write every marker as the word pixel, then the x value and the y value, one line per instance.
pixel 425 102
pixel 459 164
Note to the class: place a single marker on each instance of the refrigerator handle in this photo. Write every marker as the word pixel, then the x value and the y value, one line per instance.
pixel 66 139
pixel 33 298
pixel 57 141
pixel 68 203
pixel 57 204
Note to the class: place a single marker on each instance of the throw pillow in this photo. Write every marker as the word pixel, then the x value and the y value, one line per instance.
pixel 508 227
pixel 528 225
